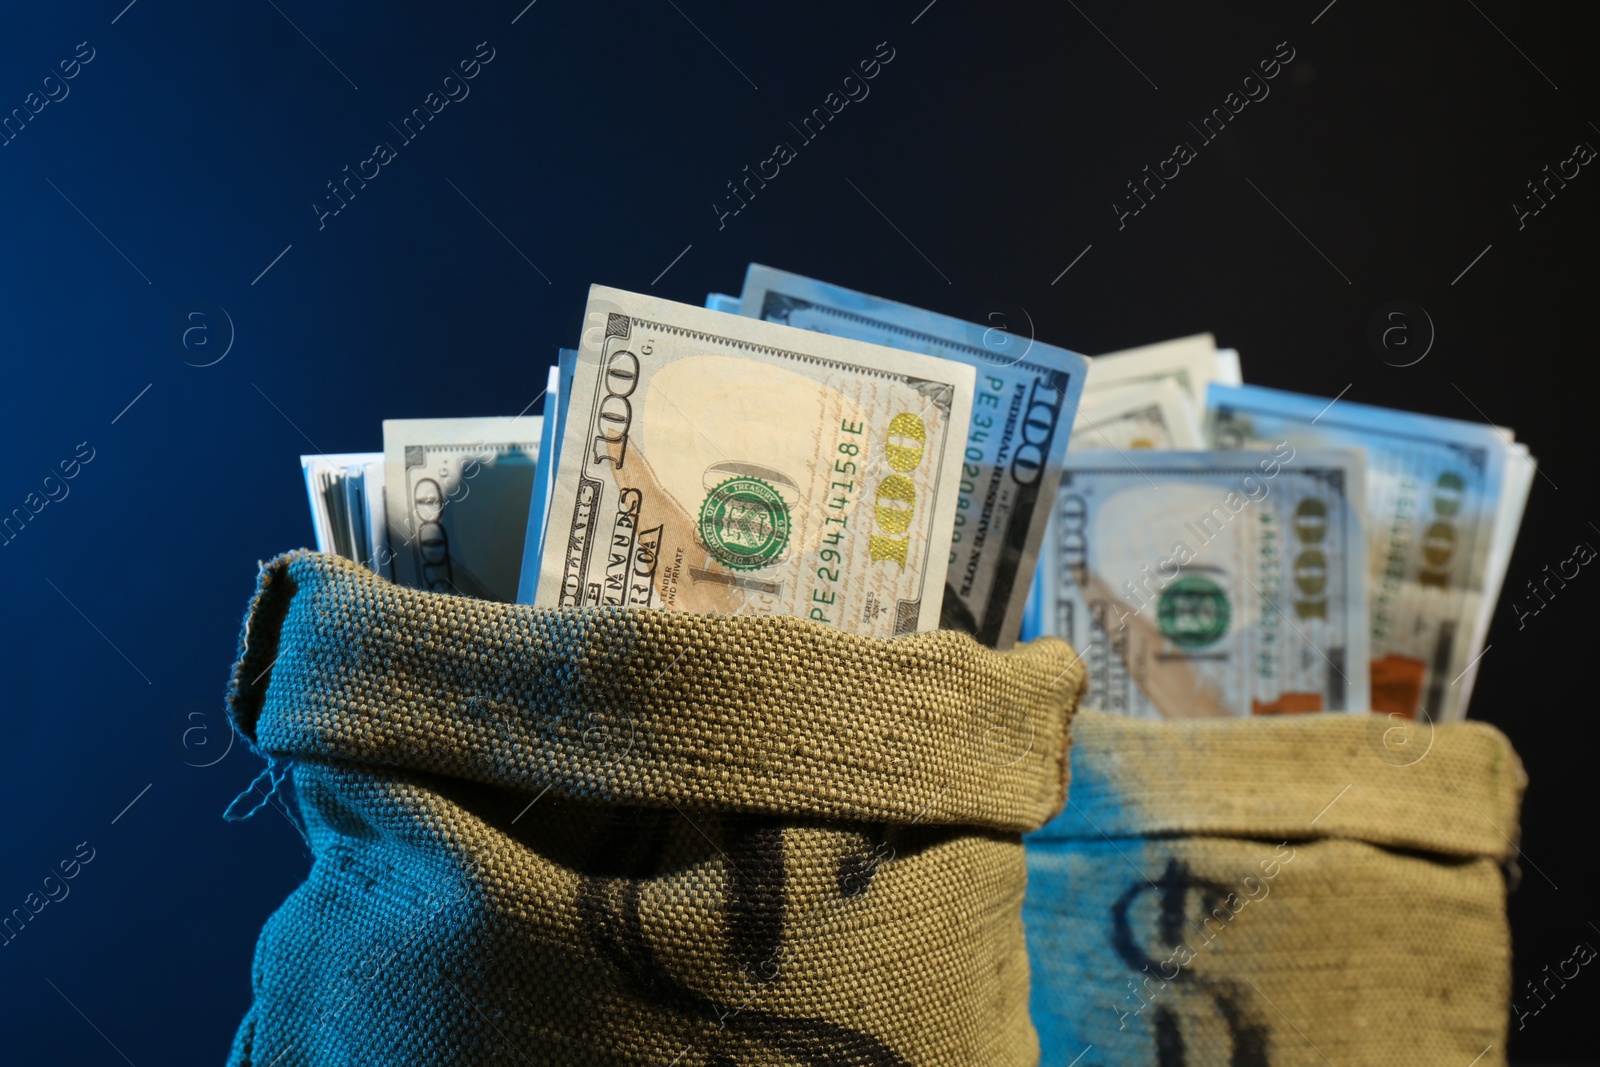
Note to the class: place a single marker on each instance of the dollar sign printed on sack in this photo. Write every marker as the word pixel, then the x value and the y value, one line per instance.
pixel 1176 889
pixel 754 923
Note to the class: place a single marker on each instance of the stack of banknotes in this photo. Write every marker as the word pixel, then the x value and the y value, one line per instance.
pixel 1209 548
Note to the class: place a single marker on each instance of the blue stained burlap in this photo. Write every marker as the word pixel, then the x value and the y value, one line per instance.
pixel 1300 890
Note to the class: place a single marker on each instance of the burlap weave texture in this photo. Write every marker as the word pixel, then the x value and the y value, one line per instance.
pixel 1293 891
pixel 641 837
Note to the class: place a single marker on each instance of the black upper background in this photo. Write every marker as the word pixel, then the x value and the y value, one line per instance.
pixel 597 141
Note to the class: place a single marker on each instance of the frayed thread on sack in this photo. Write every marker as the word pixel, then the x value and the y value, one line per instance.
pixel 274 772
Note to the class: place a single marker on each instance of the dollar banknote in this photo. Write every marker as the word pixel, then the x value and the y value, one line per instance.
pixel 557 386
pixel 457 499
pixel 1228 370
pixel 1204 584
pixel 1521 466
pixel 1190 363
pixel 716 463
pixel 1440 501
pixel 1022 415
pixel 347 506
pixel 1152 415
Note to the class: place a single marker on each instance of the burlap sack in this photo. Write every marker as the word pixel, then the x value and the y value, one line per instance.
pixel 640 837
pixel 1302 890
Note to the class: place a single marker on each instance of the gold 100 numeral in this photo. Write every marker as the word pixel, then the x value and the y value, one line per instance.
pixel 1439 542
pixel 1311 565
pixel 896 501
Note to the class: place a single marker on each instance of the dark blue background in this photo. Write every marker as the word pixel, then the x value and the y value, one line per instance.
pixel 596 141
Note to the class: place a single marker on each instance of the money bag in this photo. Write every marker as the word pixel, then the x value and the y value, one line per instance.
pixel 625 836
pixel 1276 890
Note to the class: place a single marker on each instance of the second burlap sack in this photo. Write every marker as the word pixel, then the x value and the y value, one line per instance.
pixel 637 837
pixel 1290 891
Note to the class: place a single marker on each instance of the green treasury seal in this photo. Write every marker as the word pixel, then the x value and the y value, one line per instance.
pixel 744 523
pixel 1193 612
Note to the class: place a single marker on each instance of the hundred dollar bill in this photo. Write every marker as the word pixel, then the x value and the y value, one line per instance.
pixel 557 387
pixel 457 498
pixel 714 463
pixel 1027 393
pixel 1190 363
pixel 1212 584
pixel 1155 415
pixel 1437 489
